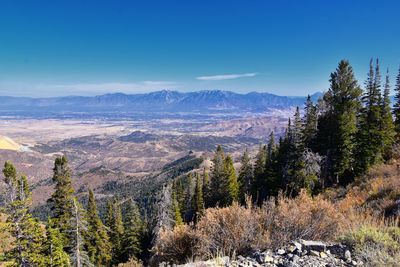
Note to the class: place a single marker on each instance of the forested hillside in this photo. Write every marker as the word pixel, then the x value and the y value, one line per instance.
pixel 332 176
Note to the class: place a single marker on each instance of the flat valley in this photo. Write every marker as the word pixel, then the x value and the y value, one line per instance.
pixel 108 148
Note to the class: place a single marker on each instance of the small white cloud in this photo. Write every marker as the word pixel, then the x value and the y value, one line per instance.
pixel 226 76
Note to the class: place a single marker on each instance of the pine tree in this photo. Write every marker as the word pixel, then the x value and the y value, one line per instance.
pixel 219 186
pixel 179 197
pixel 396 107
pixel 134 227
pixel 387 128
pixel 259 174
pixel 198 197
pixel 231 178
pixel 115 227
pixel 337 125
pixel 54 248
pixel 245 178
pixel 294 160
pixel 310 120
pixel 272 183
pixel 79 256
pixel 98 244
pixel 178 220
pixel 62 199
pixel 206 188
pixel 297 132
pixel 283 158
pixel 26 231
pixel 370 134
pixel 189 210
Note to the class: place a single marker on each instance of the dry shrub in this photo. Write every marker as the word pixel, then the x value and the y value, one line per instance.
pixel 131 263
pixel 373 196
pixel 175 245
pixel 302 217
pixel 229 231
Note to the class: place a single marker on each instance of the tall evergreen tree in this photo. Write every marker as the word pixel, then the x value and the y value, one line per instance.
pixel 297 132
pixel 179 195
pixel 337 125
pixel 133 224
pixel 62 199
pixel 387 128
pixel 198 197
pixel 245 178
pixel 310 120
pixel 370 134
pixel 258 184
pixel 178 220
pixel 27 234
pixel 115 226
pixel 219 186
pixel 54 247
pixel 396 106
pixel 295 163
pixel 189 210
pixel 283 157
pixel 272 183
pixel 98 244
pixel 231 177
pixel 206 188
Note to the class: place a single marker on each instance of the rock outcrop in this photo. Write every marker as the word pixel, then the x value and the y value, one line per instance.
pixel 298 253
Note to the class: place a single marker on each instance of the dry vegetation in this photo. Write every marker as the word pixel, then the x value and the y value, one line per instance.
pixel 354 216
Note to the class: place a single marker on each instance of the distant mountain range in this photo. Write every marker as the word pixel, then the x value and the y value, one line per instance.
pixel 160 101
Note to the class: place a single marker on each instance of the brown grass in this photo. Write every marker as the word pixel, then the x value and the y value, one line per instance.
pixel 229 231
pixel 300 218
pixel 239 230
pixel 175 245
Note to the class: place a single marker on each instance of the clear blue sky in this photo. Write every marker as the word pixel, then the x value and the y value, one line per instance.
pixel 285 47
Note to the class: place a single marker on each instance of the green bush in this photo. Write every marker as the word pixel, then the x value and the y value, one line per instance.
pixel 375 246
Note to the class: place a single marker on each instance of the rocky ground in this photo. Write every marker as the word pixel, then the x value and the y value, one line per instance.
pixel 301 253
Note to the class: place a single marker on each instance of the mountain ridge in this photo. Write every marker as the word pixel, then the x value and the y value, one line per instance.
pixel 164 100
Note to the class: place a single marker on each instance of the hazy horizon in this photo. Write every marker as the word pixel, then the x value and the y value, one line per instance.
pixel 168 90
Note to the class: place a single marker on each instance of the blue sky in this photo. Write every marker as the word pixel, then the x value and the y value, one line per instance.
pixel 50 48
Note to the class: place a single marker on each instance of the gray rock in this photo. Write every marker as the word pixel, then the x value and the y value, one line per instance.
pixel 297 245
pixel 323 255
pixel 338 250
pixel 295 258
pixel 281 252
pixel 347 256
pixel 268 259
pixel 314 253
pixel 313 245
